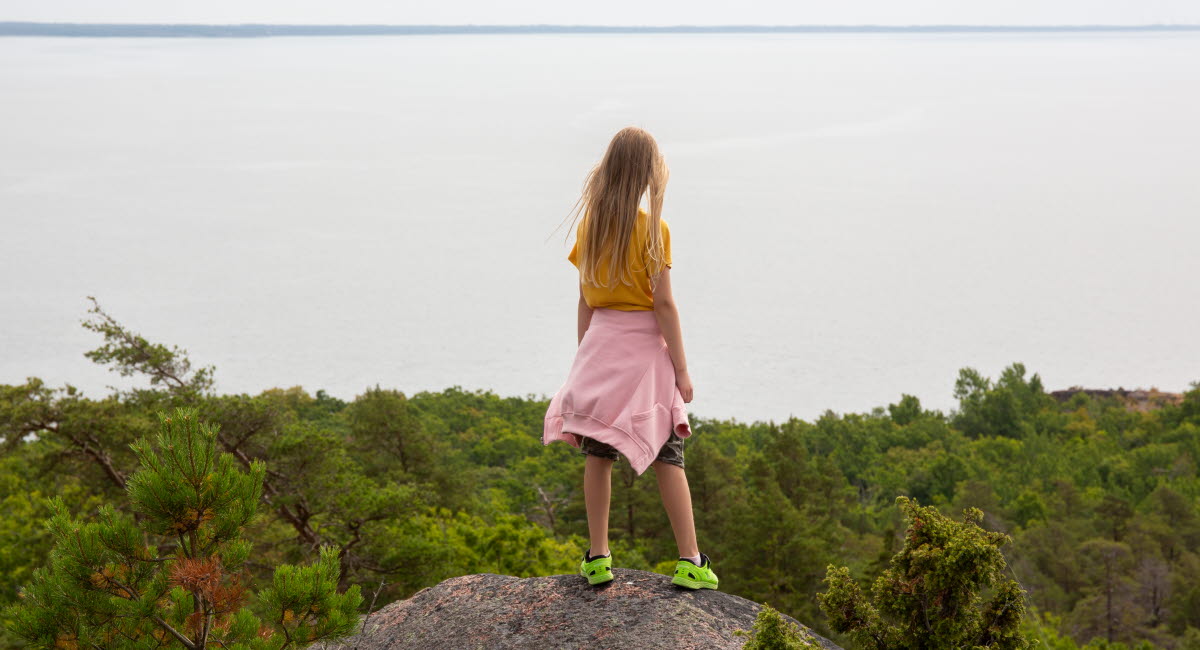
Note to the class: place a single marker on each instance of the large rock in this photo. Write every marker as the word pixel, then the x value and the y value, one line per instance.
pixel 636 610
pixel 1134 400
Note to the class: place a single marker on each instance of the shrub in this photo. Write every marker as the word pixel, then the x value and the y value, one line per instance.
pixel 771 632
pixel 929 597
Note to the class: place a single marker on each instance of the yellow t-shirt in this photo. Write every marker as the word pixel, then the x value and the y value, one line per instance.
pixel 638 297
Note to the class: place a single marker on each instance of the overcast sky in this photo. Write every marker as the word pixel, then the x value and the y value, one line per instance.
pixel 610 12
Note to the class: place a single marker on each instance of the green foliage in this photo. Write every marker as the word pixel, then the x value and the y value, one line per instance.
pixel 24 539
pixel 381 421
pixel 1049 638
pixel 304 603
pixel 438 544
pixel 771 632
pixel 1011 407
pixel 1102 501
pixel 130 353
pixel 187 490
pixel 929 597
pixel 173 576
pixel 907 411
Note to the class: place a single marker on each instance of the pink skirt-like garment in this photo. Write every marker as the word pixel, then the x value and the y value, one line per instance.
pixel 620 390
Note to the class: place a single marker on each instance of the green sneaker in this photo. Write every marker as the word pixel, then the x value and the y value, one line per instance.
pixel 695 577
pixel 597 570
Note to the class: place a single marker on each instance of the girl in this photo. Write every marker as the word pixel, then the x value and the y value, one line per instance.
pixel 625 392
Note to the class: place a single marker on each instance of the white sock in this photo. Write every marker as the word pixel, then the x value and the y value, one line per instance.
pixel 694 560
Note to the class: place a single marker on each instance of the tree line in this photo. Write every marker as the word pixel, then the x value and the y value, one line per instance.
pixel 1100 501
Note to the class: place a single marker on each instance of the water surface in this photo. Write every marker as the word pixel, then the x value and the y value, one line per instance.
pixel 853 216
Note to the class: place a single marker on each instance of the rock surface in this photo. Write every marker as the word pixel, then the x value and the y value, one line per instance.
pixel 1134 400
pixel 637 609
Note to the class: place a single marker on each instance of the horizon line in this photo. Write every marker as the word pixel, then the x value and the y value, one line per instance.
pixel 31 28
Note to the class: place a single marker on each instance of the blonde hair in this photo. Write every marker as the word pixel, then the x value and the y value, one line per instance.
pixel 631 168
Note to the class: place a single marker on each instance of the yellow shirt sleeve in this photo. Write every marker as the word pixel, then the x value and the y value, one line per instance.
pixel 666 240
pixel 574 255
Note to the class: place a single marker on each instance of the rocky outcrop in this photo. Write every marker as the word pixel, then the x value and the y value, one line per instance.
pixel 487 611
pixel 1134 400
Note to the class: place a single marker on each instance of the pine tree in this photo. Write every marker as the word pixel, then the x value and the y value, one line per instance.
pixel 172 576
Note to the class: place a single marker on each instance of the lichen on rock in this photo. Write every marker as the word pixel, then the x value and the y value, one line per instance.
pixel 638 609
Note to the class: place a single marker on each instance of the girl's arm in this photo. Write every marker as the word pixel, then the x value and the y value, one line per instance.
pixel 585 315
pixel 668 321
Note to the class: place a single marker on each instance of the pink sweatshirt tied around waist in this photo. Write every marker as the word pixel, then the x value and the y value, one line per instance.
pixel 621 389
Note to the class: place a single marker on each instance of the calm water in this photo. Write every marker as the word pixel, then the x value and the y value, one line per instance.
pixel 853 216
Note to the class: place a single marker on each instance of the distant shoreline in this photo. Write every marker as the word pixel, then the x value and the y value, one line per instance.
pixel 127 30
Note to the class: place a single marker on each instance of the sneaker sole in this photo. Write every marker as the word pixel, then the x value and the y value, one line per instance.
pixel 692 584
pixel 595 580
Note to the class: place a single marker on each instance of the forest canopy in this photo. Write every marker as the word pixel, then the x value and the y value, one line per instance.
pixel 1099 498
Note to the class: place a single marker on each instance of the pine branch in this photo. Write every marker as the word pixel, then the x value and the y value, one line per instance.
pixel 134 595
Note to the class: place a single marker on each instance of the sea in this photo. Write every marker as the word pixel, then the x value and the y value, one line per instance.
pixel 854 216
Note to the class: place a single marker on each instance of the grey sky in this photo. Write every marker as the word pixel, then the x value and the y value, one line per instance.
pixel 610 12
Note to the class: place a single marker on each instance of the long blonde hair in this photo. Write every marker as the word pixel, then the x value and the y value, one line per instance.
pixel 631 168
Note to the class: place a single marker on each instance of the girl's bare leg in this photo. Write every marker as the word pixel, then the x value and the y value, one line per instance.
pixel 597 493
pixel 677 499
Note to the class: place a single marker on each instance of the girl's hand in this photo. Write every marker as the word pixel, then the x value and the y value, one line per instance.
pixel 683 381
